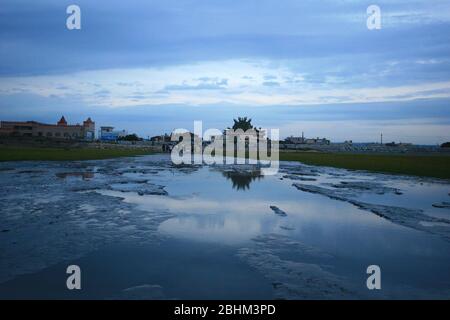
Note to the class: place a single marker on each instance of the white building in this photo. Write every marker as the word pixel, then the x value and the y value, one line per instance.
pixel 107 133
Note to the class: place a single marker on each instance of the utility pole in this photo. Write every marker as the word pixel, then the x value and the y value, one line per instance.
pixel 381 138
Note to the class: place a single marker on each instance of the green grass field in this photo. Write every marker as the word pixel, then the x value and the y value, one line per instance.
pixel 437 166
pixel 57 154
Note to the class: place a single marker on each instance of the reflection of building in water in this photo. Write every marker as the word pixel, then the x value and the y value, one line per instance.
pixel 242 179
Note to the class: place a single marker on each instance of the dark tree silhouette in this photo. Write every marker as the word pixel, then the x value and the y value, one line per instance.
pixel 130 137
pixel 242 180
pixel 242 123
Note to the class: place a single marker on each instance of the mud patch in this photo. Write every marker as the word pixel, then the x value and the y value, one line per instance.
pixel 442 205
pixel 411 218
pixel 294 279
pixel 278 211
pixel 142 292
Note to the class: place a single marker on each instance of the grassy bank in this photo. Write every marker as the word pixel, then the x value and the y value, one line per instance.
pixel 437 166
pixel 59 154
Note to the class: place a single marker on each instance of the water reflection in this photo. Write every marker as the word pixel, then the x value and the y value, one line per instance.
pixel 208 224
pixel 242 179
pixel 207 210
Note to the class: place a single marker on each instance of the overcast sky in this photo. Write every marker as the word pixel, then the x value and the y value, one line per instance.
pixel 298 65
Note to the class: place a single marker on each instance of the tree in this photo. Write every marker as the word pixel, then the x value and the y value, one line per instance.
pixel 445 145
pixel 130 137
pixel 242 123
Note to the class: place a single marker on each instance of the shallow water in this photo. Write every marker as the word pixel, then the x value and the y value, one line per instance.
pixel 218 232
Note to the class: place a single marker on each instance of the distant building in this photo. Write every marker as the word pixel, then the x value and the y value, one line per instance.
pixel 295 140
pixel 303 140
pixel 164 141
pixel 401 144
pixel 108 134
pixel 160 139
pixel 317 140
pixel 61 130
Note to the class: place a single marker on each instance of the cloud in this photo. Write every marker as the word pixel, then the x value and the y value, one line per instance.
pixel 223 83
pixel 214 54
pixel 269 77
pixel 421 121
pixel 271 84
pixel 102 93
pixel 138 34
pixel 204 83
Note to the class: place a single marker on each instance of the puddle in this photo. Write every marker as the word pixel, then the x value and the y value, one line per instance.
pixel 279 240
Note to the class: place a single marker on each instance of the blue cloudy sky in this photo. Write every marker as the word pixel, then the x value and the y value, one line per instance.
pixel 297 65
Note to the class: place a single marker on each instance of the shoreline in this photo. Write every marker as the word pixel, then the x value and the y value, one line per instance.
pixel 435 166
